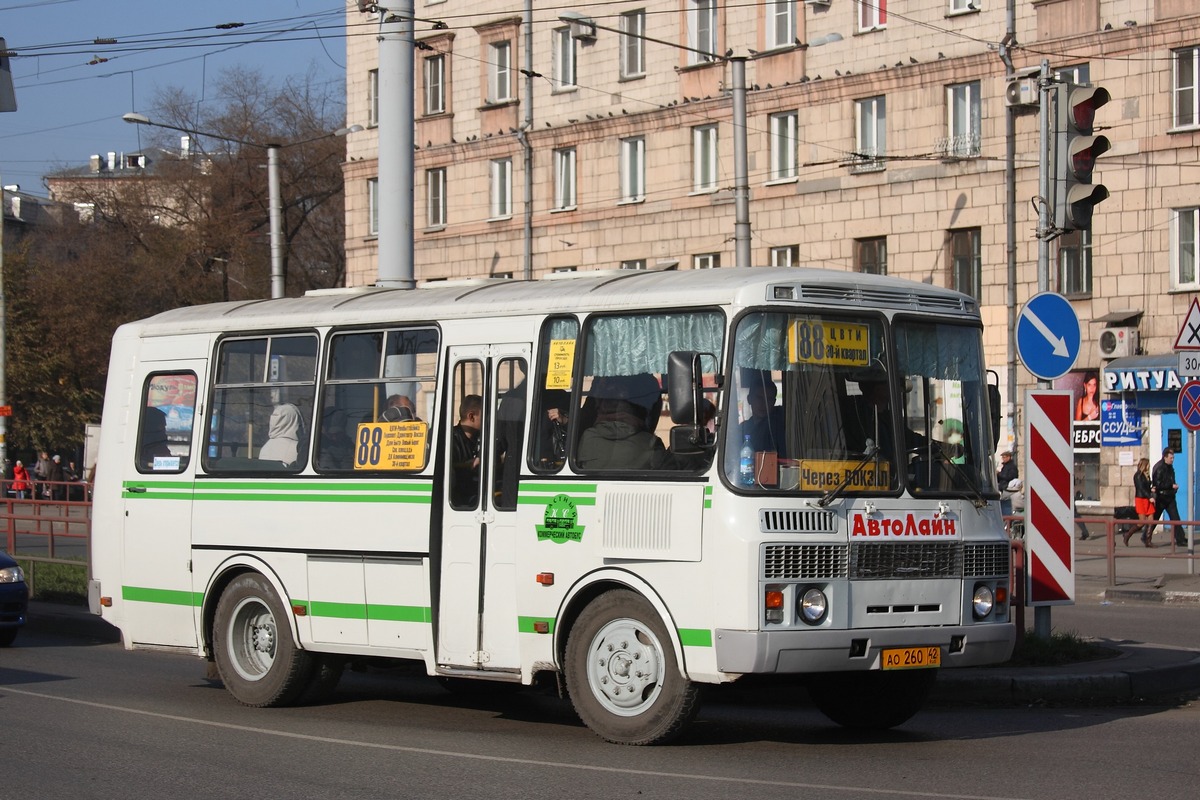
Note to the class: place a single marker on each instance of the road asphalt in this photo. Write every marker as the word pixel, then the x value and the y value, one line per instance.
pixel 1138 671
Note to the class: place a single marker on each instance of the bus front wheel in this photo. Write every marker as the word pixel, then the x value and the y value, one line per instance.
pixel 258 661
pixel 622 674
pixel 873 700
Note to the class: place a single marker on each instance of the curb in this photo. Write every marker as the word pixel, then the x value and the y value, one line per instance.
pixel 991 686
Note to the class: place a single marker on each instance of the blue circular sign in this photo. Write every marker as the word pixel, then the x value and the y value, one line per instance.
pixel 1189 405
pixel 1048 336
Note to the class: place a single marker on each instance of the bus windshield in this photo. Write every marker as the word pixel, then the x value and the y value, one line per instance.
pixel 822 403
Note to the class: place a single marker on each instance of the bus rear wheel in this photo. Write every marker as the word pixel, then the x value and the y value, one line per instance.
pixel 871 700
pixel 622 674
pixel 258 661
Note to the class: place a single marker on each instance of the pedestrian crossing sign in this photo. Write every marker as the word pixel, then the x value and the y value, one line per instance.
pixel 1189 333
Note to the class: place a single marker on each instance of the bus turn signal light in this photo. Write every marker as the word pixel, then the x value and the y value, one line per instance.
pixel 545 578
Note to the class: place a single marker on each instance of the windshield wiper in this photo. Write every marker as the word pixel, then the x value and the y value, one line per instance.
pixel 832 494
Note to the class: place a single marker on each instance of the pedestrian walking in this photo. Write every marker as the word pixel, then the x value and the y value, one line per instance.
pixel 1165 487
pixel 1143 503
pixel 1004 477
pixel 56 479
pixel 20 481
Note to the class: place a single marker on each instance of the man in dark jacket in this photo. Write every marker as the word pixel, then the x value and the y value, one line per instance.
pixel 1165 487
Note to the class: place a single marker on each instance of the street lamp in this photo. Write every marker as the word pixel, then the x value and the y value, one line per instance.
pixel 587 26
pixel 273 199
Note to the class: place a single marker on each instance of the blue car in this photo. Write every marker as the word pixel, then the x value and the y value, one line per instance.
pixel 14 599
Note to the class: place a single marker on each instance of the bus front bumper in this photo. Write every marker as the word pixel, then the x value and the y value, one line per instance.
pixel 801 651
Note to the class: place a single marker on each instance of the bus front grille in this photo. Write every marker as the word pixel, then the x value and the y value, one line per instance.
pixel 986 560
pixel 791 520
pixel 908 560
pixel 804 561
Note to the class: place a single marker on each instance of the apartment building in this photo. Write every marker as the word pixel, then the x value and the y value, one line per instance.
pixel 877 141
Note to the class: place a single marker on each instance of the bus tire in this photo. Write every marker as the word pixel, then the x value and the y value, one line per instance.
pixel 256 657
pixel 622 674
pixel 872 700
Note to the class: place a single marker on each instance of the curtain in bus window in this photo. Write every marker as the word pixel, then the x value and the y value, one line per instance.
pixel 638 344
pixel 762 342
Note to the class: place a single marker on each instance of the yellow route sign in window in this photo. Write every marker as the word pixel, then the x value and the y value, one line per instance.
pixel 390 446
pixel 814 341
pixel 560 364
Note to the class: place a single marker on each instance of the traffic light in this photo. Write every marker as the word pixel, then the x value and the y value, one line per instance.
pixel 1076 150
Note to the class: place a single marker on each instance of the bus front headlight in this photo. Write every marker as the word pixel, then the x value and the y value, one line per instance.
pixel 983 601
pixel 813 606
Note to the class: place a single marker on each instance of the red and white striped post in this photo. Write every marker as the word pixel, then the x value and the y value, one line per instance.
pixel 1049 502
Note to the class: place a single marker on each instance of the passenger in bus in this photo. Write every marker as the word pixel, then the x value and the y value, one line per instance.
pixel 153 438
pixel 627 411
pixel 464 475
pixel 400 408
pixel 765 426
pixel 283 435
pixel 510 430
pixel 552 439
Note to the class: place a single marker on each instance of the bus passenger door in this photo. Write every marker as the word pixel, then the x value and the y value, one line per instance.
pixel 476 610
pixel 160 467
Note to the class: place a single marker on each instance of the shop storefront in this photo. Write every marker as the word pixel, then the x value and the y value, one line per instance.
pixel 1139 417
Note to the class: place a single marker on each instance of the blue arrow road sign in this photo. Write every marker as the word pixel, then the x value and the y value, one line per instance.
pixel 1048 336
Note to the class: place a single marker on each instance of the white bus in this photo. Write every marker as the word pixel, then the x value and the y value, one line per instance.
pixel 679 478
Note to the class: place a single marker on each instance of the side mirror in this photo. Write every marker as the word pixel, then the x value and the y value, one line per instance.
pixel 994 407
pixel 683 386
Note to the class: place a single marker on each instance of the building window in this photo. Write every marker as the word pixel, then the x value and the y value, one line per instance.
pixel 788 256
pixel 1186 66
pixel 702 31
pixel 870 255
pixel 1185 234
pixel 563 76
pixel 1075 263
pixel 435 84
pixel 870 142
pixel 704 158
pixel 501 188
pixel 372 98
pixel 435 188
pixel 706 261
pixel 633 169
pixel 963 120
pixel 373 207
pixel 635 263
pixel 499 72
pixel 564 178
pixel 966 266
pixel 872 14
pixel 961 6
pixel 781 23
pixel 558 270
pixel 783 145
pixel 633 45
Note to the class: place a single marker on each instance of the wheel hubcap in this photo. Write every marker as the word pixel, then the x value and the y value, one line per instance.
pixel 252 639
pixel 626 667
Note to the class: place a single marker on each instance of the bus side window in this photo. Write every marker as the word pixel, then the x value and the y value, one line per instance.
pixel 164 442
pixel 552 403
pixel 509 430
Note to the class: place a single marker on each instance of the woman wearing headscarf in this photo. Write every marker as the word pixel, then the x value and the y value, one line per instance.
pixel 283 436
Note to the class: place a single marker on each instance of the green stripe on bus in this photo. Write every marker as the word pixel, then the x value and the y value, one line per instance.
pixel 695 637
pixel 169 597
pixel 525 624
pixel 282 486
pixel 381 613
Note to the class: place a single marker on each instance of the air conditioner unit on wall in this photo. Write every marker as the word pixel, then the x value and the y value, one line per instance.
pixel 1118 342
pixel 1021 92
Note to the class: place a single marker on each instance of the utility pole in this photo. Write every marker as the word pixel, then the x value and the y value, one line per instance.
pixel 396 169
